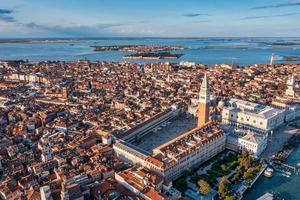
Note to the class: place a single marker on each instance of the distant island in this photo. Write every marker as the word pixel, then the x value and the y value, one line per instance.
pixel 137 48
pixel 291 58
pixel 153 55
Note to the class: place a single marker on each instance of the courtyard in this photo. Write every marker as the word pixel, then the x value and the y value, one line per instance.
pixel 166 132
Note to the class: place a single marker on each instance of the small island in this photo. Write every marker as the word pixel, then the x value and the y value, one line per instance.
pixel 291 58
pixel 137 48
pixel 153 56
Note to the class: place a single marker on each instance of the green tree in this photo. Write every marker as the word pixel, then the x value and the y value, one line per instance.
pixel 229 198
pixel 236 177
pixel 224 168
pixel 204 187
pixel 181 185
pixel 245 160
pixel 223 188
pixel 249 174
pixel 186 173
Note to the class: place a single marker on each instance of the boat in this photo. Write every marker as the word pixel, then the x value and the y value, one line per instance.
pixel 286 174
pixel 268 172
pixel 266 196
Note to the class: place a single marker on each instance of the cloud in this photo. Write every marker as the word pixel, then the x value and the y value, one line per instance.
pixel 194 14
pixel 74 30
pixel 143 22
pixel 5 11
pixel 200 21
pixel 60 30
pixel 5 15
pixel 269 16
pixel 7 18
pixel 279 5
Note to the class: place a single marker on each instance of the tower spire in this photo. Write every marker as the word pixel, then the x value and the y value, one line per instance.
pixel 204 93
pixel 272 60
pixel 203 106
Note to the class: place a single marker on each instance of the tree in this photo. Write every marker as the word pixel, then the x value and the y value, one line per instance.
pixel 224 168
pixel 181 185
pixel 186 173
pixel 236 177
pixel 229 198
pixel 249 174
pixel 223 188
pixel 245 160
pixel 204 187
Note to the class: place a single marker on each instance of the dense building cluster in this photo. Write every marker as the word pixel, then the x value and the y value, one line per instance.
pixel 67 129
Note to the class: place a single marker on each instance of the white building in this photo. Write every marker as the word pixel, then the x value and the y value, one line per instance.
pixel 292 112
pixel 290 87
pixel 45 193
pixel 248 141
pixel 255 144
pixel 187 64
pixel 252 116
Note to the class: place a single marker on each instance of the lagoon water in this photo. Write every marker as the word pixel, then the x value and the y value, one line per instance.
pixel 288 188
pixel 241 51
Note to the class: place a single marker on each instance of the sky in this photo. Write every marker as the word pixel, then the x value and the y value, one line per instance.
pixel 149 18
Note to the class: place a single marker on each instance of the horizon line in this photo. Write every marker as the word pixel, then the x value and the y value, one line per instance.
pixel 143 37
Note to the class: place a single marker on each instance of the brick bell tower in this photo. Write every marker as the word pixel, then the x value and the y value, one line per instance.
pixel 203 106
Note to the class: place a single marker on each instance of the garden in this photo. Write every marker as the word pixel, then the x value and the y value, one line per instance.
pixel 223 174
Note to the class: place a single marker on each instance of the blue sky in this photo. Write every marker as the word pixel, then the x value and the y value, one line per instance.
pixel 153 18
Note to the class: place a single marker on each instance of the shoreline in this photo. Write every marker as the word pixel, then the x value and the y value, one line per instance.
pixel 290 133
pixel 281 183
pixel 147 58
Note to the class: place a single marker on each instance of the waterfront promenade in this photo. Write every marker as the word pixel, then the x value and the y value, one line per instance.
pixel 277 140
pixel 288 188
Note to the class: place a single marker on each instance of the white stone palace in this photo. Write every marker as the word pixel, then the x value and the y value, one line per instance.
pixel 253 116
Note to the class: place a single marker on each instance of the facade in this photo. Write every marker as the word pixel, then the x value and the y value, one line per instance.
pixel 203 106
pixel 255 144
pixel 293 88
pixel 240 140
pixel 292 112
pixel 252 116
pixel 171 159
pixel 290 91
pixel 190 149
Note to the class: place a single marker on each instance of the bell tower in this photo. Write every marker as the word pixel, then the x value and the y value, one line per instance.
pixel 203 106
